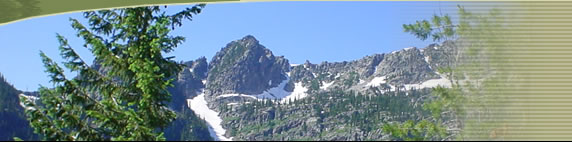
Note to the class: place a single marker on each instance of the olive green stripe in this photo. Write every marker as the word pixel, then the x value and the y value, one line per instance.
pixel 526 93
pixel 539 97
pixel 514 45
pixel 540 37
pixel 532 100
pixel 529 70
pixel 538 129
pixel 536 50
pixel 42 8
pixel 551 114
pixel 533 66
pixel 532 93
pixel 543 83
pixel 532 109
pixel 527 105
pixel 534 125
pixel 538 62
pixel 521 42
pixel 528 89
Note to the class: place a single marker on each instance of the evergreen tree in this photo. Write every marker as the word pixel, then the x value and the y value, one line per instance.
pixel 127 102
pixel 440 28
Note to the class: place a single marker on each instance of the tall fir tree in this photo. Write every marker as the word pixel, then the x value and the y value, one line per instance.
pixel 129 100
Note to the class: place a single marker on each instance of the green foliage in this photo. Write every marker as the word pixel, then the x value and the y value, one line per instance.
pixel 17 139
pixel 446 101
pixel 427 129
pixel 420 131
pixel 187 127
pixel 129 101
pixel 315 85
pixel 470 104
pixel 439 28
pixel 487 65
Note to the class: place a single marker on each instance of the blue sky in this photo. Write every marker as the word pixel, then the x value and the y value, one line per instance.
pixel 314 31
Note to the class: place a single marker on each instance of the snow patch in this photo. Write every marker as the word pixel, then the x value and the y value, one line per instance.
pixel 204 82
pixel 376 81
pixel 293 65
pixel 30 98
pixel 326 85
pixel 361 81
pixel 427 60
pixel 277 92
pixel 338 75
pixel 235 95
pixel 199 106
pixel 408 48
pixel 298 93
pixel 429 84
pixel 232 104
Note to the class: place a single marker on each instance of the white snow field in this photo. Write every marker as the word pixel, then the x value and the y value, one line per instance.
pixel 376 81
pixel 31 98
pixel 429 84
pixel 277 92
pixel 298 93
pixel 199 106
pixel 326 85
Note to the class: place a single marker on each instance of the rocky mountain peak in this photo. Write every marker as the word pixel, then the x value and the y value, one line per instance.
pixel 245 66
pixel 249 39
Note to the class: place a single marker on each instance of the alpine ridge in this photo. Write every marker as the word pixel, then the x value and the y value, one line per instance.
pixel 245 74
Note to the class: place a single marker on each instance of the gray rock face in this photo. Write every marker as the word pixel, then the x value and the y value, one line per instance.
pixel 244 66
pixel 405 67
pixel 443 55
pixel 189 81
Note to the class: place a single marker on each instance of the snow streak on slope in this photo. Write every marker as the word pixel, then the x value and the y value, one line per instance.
pixel 30 98
pixel 429 84
pixel 427 61
pixel 277 92
pixel 236 95
pixel 199 106
pixel 326 85
pixel 376 81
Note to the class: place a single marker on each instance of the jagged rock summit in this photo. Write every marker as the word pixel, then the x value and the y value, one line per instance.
pixel 245 67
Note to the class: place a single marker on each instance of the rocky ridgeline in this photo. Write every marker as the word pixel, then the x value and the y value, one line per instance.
pixel 245 66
